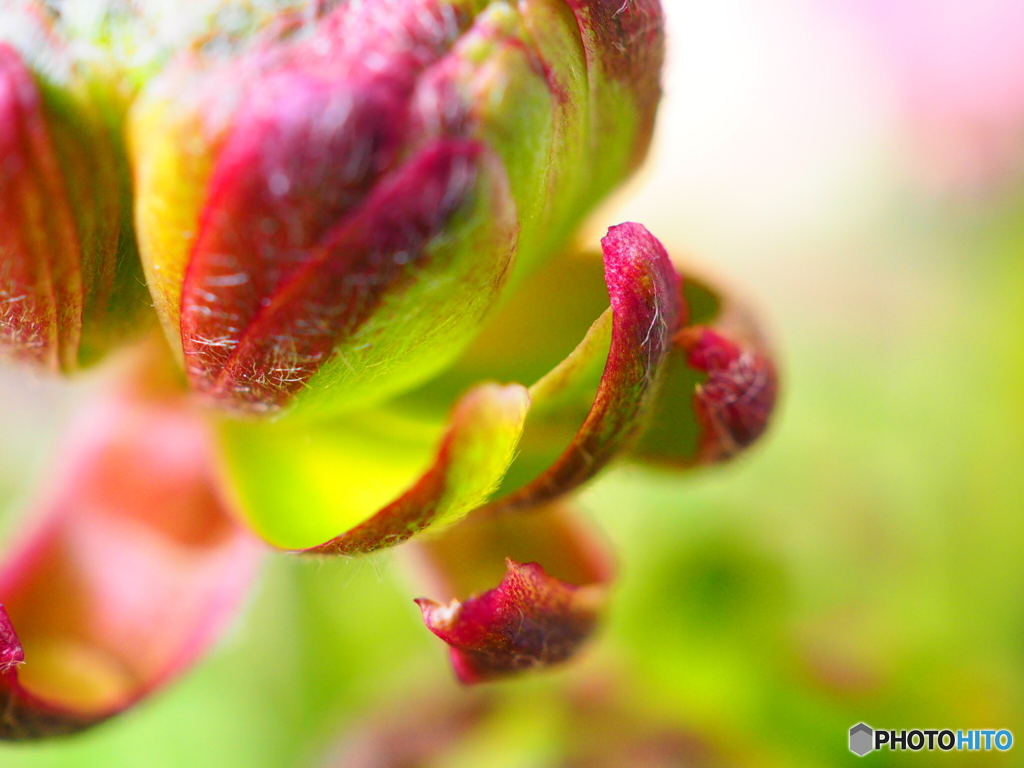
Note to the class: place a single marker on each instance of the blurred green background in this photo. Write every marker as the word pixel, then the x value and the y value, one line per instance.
pixel 854 168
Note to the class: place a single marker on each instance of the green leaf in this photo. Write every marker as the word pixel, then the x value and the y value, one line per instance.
pixel 370 480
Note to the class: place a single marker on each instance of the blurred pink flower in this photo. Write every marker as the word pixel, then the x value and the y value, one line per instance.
pixel 959 68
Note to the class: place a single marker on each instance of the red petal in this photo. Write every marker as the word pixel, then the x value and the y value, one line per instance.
pixel 133 571
pixel 256 349
pixel 315 210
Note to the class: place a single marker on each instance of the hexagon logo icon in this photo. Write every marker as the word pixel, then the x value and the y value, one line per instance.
pixel 861 739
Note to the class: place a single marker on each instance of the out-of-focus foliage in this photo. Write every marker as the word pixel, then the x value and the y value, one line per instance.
pixel 865 564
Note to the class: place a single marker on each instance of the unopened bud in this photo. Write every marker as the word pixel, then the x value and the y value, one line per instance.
pixel 326 216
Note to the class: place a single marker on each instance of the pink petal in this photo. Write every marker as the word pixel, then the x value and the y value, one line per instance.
pixel 133 570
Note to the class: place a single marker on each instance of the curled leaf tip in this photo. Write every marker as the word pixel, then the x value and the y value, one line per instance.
pixel 472 456
pixel 529 621
pixel 734 404
pixel 646 304
pixel 720 385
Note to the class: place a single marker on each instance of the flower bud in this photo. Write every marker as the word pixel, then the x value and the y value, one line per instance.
pixel 530 620
pixel 733 405
pixel 539 614
pixel 326 216
pixel 70 284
